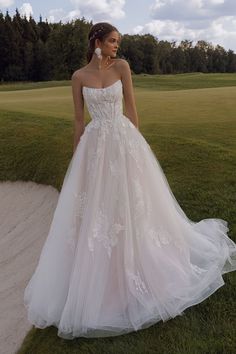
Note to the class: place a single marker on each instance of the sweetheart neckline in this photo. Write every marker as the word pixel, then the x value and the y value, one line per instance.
pixel 101 88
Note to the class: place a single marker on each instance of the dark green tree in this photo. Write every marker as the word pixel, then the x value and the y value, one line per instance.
pixel 164 50
pixel 43 51
pixel 131 49
pixel 231 62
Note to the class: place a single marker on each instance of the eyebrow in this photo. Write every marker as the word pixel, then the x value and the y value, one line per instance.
pixel 118 39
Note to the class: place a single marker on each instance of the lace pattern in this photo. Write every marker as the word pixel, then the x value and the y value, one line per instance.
pixel 114 168
pixel 107 118
pixel 138 282
pixel 80 204
pixel 104 231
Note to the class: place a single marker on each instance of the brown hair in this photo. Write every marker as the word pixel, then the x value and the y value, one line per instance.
pixel 100 30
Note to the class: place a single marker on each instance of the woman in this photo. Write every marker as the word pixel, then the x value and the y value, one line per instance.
pixel 102 71
pixel 121 254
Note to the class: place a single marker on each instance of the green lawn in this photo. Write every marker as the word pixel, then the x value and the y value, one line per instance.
pixel 156 82
pixel 190 123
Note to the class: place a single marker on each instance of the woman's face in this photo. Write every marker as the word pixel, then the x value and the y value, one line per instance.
pixel 110 44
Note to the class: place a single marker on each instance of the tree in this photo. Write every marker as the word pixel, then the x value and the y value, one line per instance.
pixel 231 62
pixel 132 52
pixel 43 51
pixel 219 59
pixel 164 50
pixel 149 45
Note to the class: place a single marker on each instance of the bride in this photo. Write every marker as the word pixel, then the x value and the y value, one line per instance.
pixel 121 254
pixel 102 71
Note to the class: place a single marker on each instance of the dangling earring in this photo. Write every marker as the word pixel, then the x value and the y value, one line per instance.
pixel 98 52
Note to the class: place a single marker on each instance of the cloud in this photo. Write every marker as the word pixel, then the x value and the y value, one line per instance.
pixel 55 15
pixel 6 3
pixel 72 15
pixel 191 10
pixel 219 31
pixel 98 10
pixel 176 20
pixel 26 10
pixel 167 30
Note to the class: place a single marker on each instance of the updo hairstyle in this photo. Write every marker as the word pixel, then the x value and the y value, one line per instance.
pixel 100 30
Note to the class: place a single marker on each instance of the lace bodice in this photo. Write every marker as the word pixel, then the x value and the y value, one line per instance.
pixel 104 103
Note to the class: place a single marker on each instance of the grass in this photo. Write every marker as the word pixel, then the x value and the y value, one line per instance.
pixel 31 147
pixel 15 86
pixel 192 131
pixel 156 82
pixel 184 81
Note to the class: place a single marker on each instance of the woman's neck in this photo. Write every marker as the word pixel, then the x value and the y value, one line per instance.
pixel 99 64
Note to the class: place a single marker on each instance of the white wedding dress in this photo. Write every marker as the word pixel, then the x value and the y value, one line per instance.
pixel 121 254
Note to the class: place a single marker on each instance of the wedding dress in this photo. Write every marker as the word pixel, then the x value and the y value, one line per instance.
pixel 121 254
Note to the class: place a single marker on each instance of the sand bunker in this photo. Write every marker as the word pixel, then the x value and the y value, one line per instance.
pixel 26 211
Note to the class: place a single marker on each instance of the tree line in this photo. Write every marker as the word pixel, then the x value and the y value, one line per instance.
pixel 38 51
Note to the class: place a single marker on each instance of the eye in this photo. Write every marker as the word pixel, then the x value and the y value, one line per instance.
pixel 114 40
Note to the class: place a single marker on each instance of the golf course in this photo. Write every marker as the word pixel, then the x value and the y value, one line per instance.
pixel 189 121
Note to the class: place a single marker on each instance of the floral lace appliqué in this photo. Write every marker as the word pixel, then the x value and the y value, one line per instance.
pixel 142 203
pixel 105 232
pixel 159 236
pixel 78 211
pixel 138 282
pixel 93 159
pixel 80 203
pixel 115 168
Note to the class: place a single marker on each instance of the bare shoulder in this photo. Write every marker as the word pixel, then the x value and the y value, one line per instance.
pixel 122 63
pixel 123 69
pixel 79 74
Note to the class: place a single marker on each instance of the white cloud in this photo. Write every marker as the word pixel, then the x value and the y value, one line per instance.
pixel 6 3
pixel 72 15
pixel 26 9
pixel 222 31
pixel 55 15
pixel 167 30
pixel 216 2
pixel 100 10
pixel 176 20
pixel 219 31
pixel 191 10
pixel 51 19
pixel 95 10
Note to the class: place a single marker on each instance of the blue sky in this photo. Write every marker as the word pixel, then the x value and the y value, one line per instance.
pixel 210 20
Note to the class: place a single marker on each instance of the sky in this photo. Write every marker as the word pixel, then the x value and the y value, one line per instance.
pixel 174 20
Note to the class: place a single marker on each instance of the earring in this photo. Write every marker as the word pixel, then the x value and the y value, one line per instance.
pixel 98 52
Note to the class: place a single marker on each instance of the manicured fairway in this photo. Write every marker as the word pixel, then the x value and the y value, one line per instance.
pixel 192 131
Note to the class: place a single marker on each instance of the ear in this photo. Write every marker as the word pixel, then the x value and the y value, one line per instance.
pixel 97 43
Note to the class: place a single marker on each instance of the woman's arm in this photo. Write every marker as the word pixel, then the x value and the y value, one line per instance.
pixel 128 92
pixel 79 124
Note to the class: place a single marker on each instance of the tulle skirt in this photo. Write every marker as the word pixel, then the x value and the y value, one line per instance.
pixel 121 254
